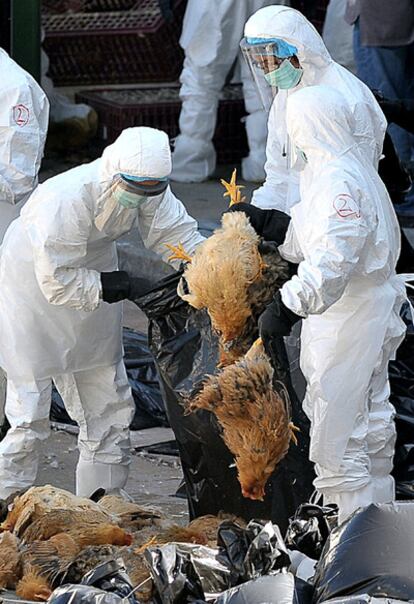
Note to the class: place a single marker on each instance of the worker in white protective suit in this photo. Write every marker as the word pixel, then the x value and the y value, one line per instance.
pixel 59 319
pixel 283 31
pixel 211 34
pixel 24 114
pixel 345 237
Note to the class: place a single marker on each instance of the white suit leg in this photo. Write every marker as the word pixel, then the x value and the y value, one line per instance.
pixel 381 431
pixel 100 401
pixel 27 409
pixel 194 157
pixel 343 360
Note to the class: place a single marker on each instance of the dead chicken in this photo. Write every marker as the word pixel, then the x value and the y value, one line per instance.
pixel 209 525
pixel 50 561
pixel 130 515
pixel 37 501
pixel 62 521
pixel 10 561
pixel 254 418
pixel 234 275
pixel 34 587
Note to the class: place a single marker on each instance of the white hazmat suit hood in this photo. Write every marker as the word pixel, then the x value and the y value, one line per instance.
pixel 345 236
pixel 288 24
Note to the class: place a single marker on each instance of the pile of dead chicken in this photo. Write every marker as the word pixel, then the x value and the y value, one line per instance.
pixel 51 537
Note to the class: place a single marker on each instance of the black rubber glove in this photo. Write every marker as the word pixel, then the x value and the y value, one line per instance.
pixel 269 224
pixel 139 287
pixel 277 320
pixel 115 286
pixel 118 285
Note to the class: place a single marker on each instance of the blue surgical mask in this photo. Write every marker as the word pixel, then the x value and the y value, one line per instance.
pixel 285 76
pixel 128 200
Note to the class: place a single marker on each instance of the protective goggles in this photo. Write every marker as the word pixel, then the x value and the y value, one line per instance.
pixel 145 186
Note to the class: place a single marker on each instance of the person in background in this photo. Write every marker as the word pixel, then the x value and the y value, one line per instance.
pixel 211 34
pixel 338 35
pixel 60 316
pixel 384 54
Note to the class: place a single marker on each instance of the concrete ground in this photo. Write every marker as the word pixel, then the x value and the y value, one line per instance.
pixel 154 479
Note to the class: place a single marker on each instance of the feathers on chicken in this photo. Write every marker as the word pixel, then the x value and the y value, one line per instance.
pixel 62 521
pixel 10 561
pixel 208 525
pixel 230 277
pixel 130 515
pixel 34 587
pixel 37 501
pixel 255 419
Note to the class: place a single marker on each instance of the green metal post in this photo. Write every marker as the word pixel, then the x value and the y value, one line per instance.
pixel 25 35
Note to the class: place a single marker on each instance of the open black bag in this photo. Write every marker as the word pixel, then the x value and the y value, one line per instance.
pixel 185 350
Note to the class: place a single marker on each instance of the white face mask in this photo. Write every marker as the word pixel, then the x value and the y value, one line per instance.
pixel 128 200
pixel 112 218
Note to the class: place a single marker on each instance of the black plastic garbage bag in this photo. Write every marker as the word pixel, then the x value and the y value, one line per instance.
pixel 84 594
pixel 108 583
pixel 365 599
pixel 310 528
pixel 185 350
pixel 185 572
pixel 143 379
pixel 401 372
pixel 274 589
pixel 253 551
pixel 371 553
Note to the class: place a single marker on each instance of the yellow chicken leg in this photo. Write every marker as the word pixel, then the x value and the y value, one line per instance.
pixel 233 189
pixel 178 253
pixel 293 429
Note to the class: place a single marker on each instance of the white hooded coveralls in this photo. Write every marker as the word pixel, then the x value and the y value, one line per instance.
pixel 345 236
pixel 24 116
pixel 53 323
pixel 211 35
pixel 280 190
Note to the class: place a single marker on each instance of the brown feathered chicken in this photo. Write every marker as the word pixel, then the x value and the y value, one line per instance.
pixel 208 525
pixel 37 501
pixel 34 587
pixel 51 560
pixel 62 521
pixel 10 561
pixel 254 418
pixel 130 515
pixel 234 277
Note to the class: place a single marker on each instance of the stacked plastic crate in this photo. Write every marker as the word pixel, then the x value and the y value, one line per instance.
pixel 129 42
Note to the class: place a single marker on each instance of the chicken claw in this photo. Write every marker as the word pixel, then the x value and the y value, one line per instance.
pixel 178 253
pixel 293 429
pixel 233 189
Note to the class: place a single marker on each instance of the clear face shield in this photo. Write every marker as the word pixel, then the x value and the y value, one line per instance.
pixel 270 64
pixel 261 60
pixel 125 192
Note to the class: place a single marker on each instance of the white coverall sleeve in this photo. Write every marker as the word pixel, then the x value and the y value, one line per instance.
pixel 59 242
pixel 273 193
pixel 23 126
pixel 164 219
pixel 334 240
